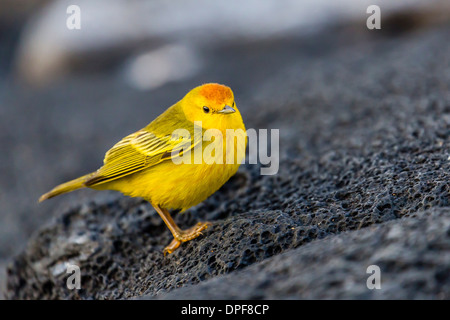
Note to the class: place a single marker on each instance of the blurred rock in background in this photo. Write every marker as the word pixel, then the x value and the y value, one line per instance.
pixel 112 29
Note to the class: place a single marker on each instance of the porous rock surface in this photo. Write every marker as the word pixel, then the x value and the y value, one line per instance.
pixel 413 263
pixel 363 179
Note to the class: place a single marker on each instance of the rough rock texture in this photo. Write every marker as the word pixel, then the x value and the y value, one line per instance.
pixel 364 140
pixel 412 255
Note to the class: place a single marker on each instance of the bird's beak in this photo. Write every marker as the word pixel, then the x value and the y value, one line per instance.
pixel 227 109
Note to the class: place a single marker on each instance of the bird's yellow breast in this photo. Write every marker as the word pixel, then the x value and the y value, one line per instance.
pixel 181 186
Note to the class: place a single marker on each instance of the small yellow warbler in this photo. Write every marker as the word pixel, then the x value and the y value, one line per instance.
pixel 172 172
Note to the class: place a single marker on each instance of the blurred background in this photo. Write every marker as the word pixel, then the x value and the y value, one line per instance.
pixel 66 96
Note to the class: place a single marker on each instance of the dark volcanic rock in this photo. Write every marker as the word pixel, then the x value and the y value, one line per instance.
pixel 412 255
pixel 364 140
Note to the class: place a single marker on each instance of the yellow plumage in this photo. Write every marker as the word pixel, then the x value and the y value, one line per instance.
pixel 142 164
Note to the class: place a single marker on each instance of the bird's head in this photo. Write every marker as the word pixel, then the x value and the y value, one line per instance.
pixel 213 104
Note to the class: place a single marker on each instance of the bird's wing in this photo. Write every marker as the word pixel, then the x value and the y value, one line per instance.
pixel 138 151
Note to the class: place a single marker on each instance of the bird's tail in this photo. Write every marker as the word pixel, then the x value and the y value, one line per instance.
pixel 66 187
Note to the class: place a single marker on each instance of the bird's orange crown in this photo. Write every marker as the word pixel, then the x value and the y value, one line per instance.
pixel 216 92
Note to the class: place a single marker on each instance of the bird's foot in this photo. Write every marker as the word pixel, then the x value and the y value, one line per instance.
pixel 186 235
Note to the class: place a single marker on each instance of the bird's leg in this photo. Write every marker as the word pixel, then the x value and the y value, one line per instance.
pixel 178 234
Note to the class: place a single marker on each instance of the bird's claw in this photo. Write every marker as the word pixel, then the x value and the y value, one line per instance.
pixel 186 235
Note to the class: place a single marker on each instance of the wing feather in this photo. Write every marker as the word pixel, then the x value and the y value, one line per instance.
pixel 136 152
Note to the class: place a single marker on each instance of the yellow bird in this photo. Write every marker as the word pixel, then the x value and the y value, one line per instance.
pixel 173 170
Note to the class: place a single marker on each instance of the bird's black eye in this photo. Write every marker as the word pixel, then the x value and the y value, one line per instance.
pixel 205 109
